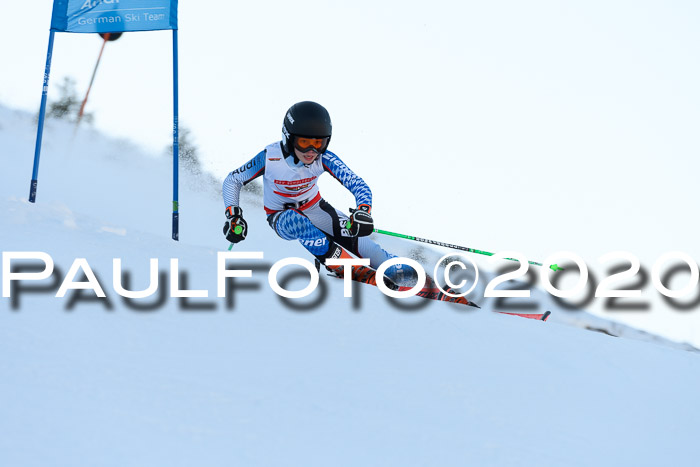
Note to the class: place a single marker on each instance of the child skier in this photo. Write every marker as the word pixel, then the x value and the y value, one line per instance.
pixel 295 209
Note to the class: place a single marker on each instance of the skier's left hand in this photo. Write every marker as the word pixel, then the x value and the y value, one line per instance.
pixel 360 223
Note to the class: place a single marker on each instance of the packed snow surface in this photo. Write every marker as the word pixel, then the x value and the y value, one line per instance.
pixel 253 380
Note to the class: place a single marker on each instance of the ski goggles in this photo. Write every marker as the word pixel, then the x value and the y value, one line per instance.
pixel 305 144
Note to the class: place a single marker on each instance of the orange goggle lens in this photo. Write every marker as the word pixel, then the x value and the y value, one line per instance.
pixel 303 144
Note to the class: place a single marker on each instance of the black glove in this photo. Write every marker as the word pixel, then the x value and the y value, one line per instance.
pixel 235 228
pixel 360 223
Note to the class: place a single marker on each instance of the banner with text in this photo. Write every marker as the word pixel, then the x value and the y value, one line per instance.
pixel 92 16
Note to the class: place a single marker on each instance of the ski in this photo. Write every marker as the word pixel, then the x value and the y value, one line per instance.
pixel 430 290
pixel 537 316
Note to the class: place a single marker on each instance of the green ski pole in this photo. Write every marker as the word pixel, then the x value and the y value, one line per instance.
pixel 553 267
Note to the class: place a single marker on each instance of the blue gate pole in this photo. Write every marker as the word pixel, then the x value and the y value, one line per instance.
pixel 40 128
pixel 176 149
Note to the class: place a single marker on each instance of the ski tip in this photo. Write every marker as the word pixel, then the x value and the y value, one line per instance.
pixel 537 316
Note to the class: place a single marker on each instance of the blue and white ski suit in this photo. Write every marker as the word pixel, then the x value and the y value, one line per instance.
pixel 293 203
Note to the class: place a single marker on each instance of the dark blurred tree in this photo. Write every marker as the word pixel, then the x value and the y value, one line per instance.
pixel 67 106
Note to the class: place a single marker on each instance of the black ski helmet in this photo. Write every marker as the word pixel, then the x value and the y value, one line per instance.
pixel 307 119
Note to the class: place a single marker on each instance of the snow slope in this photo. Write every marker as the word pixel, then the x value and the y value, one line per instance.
pixel 249 380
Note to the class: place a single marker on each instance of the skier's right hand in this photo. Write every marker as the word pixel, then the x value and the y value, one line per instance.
pixel 235 228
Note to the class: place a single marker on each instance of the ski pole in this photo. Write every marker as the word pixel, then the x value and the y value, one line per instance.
pixel 553 267
pixel 92 79
pixel 238 229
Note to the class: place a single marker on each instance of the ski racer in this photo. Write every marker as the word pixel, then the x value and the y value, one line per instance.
pixel 295 209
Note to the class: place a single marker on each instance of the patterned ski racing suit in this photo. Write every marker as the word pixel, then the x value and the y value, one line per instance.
pixel 293 203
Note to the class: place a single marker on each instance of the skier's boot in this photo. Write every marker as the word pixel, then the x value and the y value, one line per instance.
pixel 359 273
pixel 402 275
